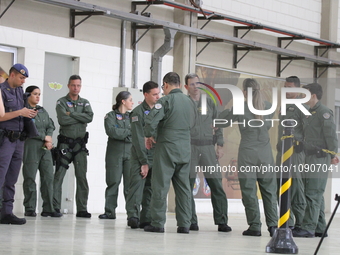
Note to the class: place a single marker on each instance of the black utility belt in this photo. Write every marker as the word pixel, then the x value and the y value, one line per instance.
pixel 319 153
pixel 15 135
pixel 68 140
pixel 201 142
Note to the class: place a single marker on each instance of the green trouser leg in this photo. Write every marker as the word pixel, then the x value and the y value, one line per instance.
pixel 321 226
pixel 80 169
pixel 164 170
pixel 205 156
pixel 194 219
pixel 315 184
pixel 298 200
pixel 139 194
pixel 194 162
pixel 145 215
pixel 250 200
pixel 116 167
pixel 180 182
pixel 267 188
pixel 29 171
pixel 218 198
pixel 267 185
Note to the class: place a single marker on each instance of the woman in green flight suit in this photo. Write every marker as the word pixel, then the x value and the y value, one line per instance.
pixel 255 150
pixel 117 159
pixel 37 155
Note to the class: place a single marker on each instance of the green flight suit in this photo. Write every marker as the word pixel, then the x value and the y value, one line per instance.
pixel 298 200
pixel 203 154
pixel 117 158
pixel 319 133
pixel 36 156
pixel 139 189
pixel 73 126
pixel 255 150
pixel 172 117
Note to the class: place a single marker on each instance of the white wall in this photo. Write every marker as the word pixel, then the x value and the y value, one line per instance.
pixel 301 16
pixel 99 69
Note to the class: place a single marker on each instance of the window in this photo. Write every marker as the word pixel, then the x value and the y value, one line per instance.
pixel 8 56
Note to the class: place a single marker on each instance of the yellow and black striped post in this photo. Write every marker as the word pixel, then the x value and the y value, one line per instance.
pixel 282 240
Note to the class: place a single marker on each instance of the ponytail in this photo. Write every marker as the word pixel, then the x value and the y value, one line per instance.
pixel 123 95
pixel 258 102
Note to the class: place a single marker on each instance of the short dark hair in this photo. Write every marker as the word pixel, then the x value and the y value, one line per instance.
pixel 30 89
pixel 190 76
pixel 149 85
pixel 13 70
pixel 172 78
pixel 294 79
pixel 74 77
pixel 314 88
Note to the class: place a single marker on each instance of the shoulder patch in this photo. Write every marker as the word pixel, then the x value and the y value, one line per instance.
pixel 87 104
pixel 158 106
pixel 107 115
pixel 326 115
pixel 134 118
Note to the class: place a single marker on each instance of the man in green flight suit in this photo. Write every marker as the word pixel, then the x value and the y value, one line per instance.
pixel 203 154
pixel 298 201
pixel 319 134
pixel 141 161
pixel 172 118
pixel 73 113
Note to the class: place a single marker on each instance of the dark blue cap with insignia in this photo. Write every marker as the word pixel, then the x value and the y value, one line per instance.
pixel 21 69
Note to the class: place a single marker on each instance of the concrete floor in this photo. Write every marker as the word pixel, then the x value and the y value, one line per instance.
pixel 71 235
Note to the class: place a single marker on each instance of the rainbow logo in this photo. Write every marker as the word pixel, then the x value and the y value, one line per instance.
pixel 210 94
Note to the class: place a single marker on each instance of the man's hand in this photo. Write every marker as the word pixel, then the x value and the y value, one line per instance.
pixel 48 138
pixel 219 152
pixel 48 145
pixel 335 160
pixel 48 142
pixel 144 171
pixel 28 113
pixel 214 128
pixel 149 141
pixel 68 113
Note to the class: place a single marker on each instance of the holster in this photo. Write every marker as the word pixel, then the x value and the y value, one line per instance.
pixel 55 155
pixel 298 146
pixel 2 136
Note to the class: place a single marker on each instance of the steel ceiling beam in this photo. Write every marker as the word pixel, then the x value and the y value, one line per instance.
pixel 6 9
pixel 216 15
pixel 81 6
